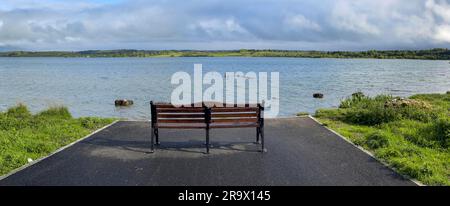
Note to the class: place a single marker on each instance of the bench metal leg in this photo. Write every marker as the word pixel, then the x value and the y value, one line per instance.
pixel 157 137
pixel 152 141
pixel 257 136
pixel 207 141
pixel 262 140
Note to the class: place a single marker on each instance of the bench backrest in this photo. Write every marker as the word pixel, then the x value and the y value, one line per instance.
pixel 168 113
pixel 220 115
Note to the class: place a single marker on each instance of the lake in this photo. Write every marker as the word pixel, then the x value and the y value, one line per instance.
pixel 89 86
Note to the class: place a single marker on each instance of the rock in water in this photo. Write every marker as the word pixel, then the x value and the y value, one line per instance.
pixel 123 102
pixel 318 95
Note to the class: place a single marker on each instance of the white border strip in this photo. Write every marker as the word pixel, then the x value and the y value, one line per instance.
pixel 55 152
pixel 417 182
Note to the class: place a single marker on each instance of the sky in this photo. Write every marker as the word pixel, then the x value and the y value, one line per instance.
pixel 64 25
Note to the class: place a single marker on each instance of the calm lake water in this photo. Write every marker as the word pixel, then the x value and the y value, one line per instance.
pixel 89 86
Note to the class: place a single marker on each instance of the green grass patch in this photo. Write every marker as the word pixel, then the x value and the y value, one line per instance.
pixel 24 135
pixel 412 135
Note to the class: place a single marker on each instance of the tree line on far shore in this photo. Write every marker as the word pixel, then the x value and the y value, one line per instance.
pixel 430 54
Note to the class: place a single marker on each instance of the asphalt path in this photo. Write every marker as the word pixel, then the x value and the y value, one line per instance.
pixel 300 152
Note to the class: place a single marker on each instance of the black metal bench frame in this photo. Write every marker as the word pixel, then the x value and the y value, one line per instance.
pixel 222 116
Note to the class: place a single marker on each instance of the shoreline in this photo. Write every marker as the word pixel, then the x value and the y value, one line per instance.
pixel 256 57
pixel 430 54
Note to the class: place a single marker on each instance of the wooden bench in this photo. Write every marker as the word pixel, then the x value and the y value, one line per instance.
pixel 168 116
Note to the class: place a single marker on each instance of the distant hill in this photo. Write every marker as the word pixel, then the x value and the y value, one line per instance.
pixel 431 54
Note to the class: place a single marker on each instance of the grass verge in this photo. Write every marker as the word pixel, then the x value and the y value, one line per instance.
pixel 411 135
pixel 25 136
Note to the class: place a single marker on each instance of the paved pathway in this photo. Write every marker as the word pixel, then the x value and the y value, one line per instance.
pixel 300 152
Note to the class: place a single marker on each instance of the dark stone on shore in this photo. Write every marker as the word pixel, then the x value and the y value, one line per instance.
pixel 402 102
pixel 123 102
pixel 318 95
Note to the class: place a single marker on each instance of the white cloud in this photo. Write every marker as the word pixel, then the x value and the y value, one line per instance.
pixel 430 25
pixel 441 9
pixel 227 28
pixel 440 19
pixel 350 16
pixel 213 26
pixel 443 33
pixel 301 22
pixel 72 39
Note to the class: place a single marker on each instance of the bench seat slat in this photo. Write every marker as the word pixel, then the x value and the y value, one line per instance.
pixel 234 109
pixel 252 114
pixel 163 105
pixel 234 120
pixel 233 125
pixel 168 105
pixel 181 126
pixel 219 105
pixel 181 115
pixel 181 110
pixel 181 121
